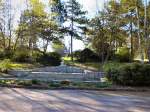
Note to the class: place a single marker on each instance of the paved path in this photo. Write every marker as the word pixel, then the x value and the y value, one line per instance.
pixel 24 100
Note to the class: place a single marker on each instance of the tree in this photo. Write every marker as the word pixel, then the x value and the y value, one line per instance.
pixel 2 25
pixel 31 22
pixel 146 29
pixel 136 19
pixel 121 24
pixel 36 25
pixel 58 46
pixel 109 21
pixel 77 19
pixel 58 11
pixel 49 33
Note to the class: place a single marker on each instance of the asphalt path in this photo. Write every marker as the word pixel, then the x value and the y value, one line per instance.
pixel 27 100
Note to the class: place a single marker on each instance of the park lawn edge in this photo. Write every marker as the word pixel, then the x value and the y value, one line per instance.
pixel 109 88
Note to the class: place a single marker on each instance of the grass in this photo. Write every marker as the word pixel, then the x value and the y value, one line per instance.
pixel 7 64
pixel 22 66
pixel 91 85
pixel 95 66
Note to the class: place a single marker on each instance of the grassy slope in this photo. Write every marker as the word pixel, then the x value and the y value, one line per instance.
pixel 95 66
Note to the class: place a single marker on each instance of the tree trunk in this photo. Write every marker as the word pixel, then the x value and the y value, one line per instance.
pixel 15 45
pixel 72 24
pixel 46 46
pixel 146 39
pixel 148 54
pixel 139 37
pixel 3 37
pixel 131 36
pixel 10 37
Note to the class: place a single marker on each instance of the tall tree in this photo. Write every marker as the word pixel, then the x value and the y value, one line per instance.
pixel 77 19
pixel 31 22
pixel 36 25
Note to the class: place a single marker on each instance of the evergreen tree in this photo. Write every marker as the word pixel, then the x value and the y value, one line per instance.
pixel 77 19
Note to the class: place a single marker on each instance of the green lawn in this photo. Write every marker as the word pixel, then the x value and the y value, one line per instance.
pixel 7 64
pixel 95 66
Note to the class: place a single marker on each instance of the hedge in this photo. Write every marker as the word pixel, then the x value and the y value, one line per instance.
pixel 135 74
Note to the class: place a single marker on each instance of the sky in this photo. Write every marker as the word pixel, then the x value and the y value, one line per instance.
pixel 88 5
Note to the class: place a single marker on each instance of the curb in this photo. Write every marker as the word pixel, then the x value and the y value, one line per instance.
pixel 71 88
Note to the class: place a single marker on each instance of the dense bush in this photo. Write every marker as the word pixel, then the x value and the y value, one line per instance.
pixel 122 54
pixel 36 55
pixel 5 54
pixel 65 82
pixel 5 65
pixel 51 59
pixel 77 54
pixel 86 55
pixel 129 74
pixel 22 55
pixel 2 55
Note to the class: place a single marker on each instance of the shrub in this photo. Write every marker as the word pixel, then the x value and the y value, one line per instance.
pixel 86 55
pixel 36 55
pixel 34 81
pixel 21 55
pixel 130 74
pixel 2 55
pixel 122 54
pixel 77 54
pixel 65 82
pixel 54 84
pixel 24 83
pixel 5 65
pixel 52 59
pixel 8 54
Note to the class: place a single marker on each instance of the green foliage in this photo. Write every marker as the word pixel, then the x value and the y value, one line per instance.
pixel 65 82
pixel 123 54
pixel 37 7
pixel 5 65
pixel 76 17
pixel 2 55
pixel 22 55
pixel 24 83
pixel 77 54
pixel 36 55
pixel 130 74
pixel 51 59
pixel 54 84
pixel 111 65
pixel 86 55
pixel 8 53
pixel 58 47
pixel 35 81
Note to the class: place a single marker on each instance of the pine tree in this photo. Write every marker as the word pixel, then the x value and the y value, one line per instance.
pixel 77 19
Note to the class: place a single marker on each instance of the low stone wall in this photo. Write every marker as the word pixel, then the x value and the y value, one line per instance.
pixel 58 73
pixel 19 73
pixel 60 69
pixel 47 76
